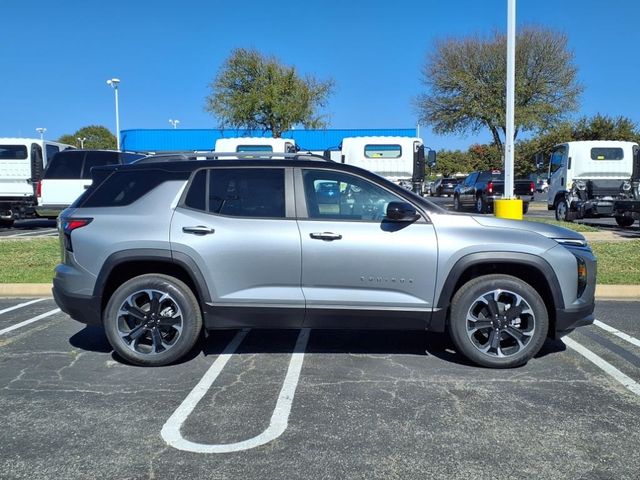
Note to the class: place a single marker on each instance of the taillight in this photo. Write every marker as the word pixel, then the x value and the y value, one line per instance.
pixel 69 225
pixel 532 187
pixel 490 187
pixel 39 191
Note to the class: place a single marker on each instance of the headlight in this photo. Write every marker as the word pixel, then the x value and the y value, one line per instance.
pixel 572 242
pixel 580 185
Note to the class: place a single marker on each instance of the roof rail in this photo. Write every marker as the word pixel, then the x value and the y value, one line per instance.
pixel 210 155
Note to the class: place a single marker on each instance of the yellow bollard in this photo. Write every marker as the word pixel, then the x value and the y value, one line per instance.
pixel 508 208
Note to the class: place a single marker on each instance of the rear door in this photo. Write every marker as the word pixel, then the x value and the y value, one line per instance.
pixel 359 269
pixel 237 224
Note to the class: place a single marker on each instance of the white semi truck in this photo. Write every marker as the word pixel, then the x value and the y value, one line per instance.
pixel 399 159
pixel 22 162
pixel 596 178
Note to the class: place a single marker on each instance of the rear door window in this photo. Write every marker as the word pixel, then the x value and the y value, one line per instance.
pixel 65 165
pixel 239 192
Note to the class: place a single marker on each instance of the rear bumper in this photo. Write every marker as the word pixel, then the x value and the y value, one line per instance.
pixel 83 308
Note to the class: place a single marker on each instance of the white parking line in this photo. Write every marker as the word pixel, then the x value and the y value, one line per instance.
pixel 34 233
pixel 27 322
pixel 20 305
pixel 617 332
pixel 628 382
pixel 279 419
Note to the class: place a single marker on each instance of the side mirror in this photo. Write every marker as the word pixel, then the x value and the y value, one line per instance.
pixel 401 212
pixel 431 158
pixel 539 159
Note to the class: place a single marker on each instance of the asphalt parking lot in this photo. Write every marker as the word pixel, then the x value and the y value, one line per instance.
pixel 351 404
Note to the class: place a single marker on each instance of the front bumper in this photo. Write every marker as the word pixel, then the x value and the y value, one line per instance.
pixel 568 319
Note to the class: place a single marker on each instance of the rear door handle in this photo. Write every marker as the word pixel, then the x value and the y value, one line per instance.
pixel 198 230
pixel 328 236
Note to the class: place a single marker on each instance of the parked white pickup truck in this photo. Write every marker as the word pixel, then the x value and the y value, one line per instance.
pixel 22 161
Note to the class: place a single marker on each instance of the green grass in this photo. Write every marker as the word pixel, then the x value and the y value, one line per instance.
pixel 618 262
pixel 28 260
pixel 578 227
pixel 32 261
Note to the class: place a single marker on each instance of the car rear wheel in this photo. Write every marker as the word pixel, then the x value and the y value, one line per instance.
pixel 498 321
pixel 152 320
pixel 624 222
pixel 481 205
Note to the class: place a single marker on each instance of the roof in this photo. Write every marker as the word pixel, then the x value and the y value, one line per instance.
pixel 168 140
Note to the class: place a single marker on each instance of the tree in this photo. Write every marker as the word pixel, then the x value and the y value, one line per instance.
pixel 466 82
pixel 96 136
pixel 253 91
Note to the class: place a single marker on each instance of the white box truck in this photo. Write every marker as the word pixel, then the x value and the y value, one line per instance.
pixel 595 178
pixel 255 144
pixel 22 162
pixel 399 159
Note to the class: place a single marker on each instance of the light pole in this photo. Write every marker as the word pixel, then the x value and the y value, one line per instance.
pixel 174 123
pixel 82 140
pixel 41 131
pixel 113 83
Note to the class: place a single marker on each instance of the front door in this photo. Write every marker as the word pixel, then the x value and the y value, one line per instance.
pixel 359 269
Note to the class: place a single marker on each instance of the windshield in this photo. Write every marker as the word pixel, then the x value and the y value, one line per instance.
pixel 13 152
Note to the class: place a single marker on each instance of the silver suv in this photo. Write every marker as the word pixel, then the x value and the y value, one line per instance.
pixel 157 250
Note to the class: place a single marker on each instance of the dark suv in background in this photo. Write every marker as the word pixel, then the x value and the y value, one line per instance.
pixel 444 186
pixel 157 250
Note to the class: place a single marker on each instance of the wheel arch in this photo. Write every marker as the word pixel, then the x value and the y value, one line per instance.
pixel 529 268
pixel 124 265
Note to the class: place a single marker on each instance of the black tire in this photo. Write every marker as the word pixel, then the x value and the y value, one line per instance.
pixel 562 209
pixel 153 335
pixel 481 205
pixel 525 207
pixel 624 222
pixel 456 203
pixel 507 340
pixel 6 223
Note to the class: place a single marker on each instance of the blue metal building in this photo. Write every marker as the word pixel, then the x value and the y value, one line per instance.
pixel 167 140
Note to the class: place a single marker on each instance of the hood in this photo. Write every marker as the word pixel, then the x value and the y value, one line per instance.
pixel 544 229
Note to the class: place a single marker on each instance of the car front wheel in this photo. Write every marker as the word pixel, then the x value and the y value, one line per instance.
pixel 562 210
pixel 152 320
pixel 456 203
pixel 498 321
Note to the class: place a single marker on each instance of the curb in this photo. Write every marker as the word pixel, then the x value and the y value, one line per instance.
pixel 603 292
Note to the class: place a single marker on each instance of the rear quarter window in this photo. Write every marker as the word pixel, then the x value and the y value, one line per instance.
pixel 607 154
pixel 99 159
pixel 13 152
pixel 123 188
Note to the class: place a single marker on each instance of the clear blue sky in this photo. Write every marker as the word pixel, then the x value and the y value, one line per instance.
pixel 56 56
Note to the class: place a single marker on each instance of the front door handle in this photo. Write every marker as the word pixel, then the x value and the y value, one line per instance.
pixel 198 230
pixel 328 236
